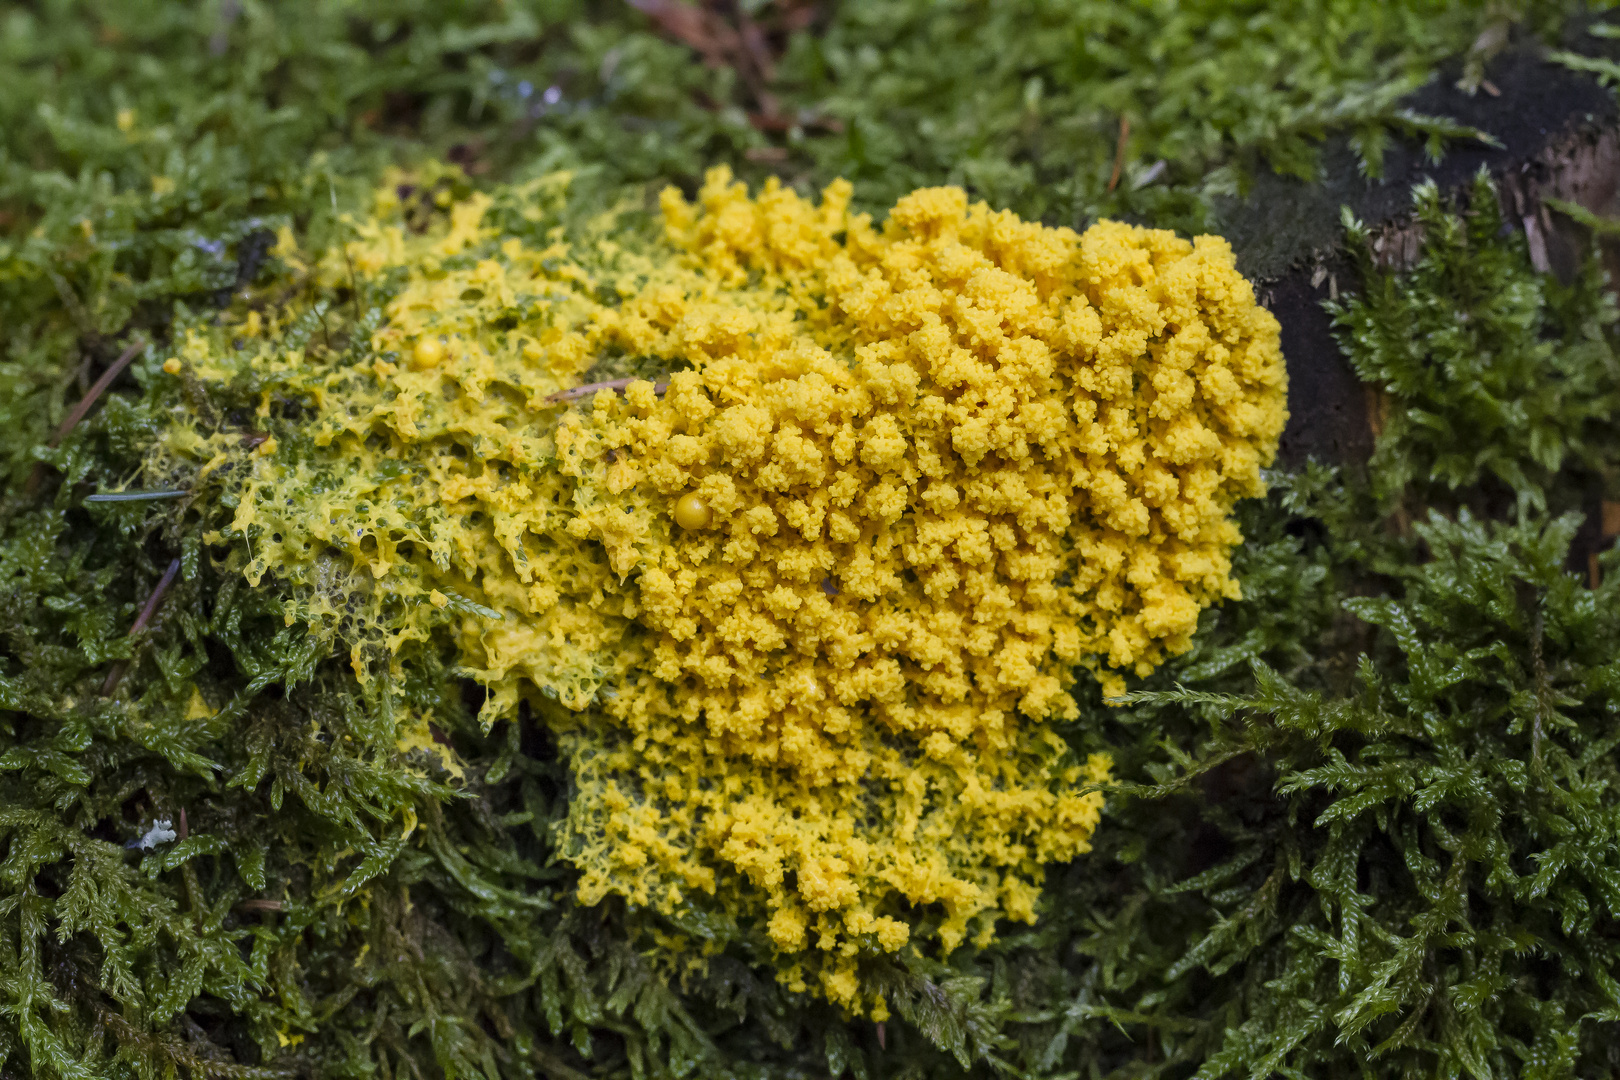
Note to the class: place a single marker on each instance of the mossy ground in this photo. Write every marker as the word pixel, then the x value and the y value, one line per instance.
pixel 1368 824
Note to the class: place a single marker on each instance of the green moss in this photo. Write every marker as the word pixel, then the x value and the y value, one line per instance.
pixel 1501 376
pixel 1365 835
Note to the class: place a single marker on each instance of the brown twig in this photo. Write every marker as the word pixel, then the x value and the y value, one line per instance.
pixel 116 675
pixel 156 598
pixel 736 40
pixel 753 40
pixel 88 401
pixel 692 25
pixel 1119 152
pixel 760 70
pixel 259 905
pixel 85 404
pixel 1543 687
pixel 576 393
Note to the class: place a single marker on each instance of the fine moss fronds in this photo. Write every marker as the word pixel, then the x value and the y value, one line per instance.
pixel 1500 376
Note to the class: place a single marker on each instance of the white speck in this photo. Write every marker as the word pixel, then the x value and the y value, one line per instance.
pixel 552 95
pixel 161 832
pixel 1156 170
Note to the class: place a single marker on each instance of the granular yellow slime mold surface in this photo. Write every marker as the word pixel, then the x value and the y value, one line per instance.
pixel 804 616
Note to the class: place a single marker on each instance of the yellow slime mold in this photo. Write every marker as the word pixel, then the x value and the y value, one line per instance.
pixel 804 617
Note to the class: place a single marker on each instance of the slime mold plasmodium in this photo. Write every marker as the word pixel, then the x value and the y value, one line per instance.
pixel 805 612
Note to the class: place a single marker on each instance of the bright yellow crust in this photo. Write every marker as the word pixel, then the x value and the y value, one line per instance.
pixel 942 463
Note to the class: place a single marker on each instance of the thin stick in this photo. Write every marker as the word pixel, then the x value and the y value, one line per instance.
pixel 354 290
pixel 156 598
pixel 135 496
pixel 37 476
pixel 106 380
pixel 259 905
pixel 1119 152
pixel 116 675
pixel 577 392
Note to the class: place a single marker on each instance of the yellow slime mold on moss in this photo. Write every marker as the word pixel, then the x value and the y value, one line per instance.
pixel 811 612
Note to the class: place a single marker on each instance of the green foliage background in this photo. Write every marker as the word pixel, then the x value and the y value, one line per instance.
pixel 1369 826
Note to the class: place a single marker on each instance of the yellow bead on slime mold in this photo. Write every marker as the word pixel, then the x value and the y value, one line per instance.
pixel 691 512
pixel 429 351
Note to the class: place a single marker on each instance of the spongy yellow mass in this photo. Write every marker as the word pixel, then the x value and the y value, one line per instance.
pixel 943 462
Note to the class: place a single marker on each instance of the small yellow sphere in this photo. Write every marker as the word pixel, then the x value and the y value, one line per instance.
pixel 692 512
pixel 428 352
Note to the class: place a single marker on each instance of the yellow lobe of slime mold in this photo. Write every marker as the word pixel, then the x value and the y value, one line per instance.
pixel 691 512
pixel 428 352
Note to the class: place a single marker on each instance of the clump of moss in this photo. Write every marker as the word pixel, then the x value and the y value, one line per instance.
pixel 362 883
pixel 1510 385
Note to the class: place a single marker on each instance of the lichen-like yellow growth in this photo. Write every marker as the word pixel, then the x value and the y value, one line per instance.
pixel 810 609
